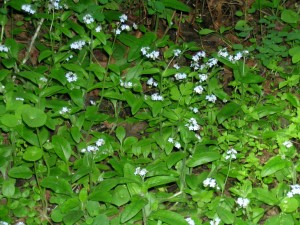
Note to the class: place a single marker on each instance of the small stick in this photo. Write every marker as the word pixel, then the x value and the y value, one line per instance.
pixel 33 40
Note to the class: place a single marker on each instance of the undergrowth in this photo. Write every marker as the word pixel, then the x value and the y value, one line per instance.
pixel 107 118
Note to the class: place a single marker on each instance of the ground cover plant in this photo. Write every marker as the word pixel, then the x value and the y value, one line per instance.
pixel 149 112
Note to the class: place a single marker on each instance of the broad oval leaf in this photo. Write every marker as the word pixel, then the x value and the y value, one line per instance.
pixel 33 153
pixel 273 165
pixel 57 184
pixel 20 172
pixel 225 215
pixel 159 180
pixel 200 158
pixel 227 111
pixel 33 117
pixel 62 147
pixel 136 205
pixel 169 217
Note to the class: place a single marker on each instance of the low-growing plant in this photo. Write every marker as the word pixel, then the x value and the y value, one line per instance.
pixel 106 121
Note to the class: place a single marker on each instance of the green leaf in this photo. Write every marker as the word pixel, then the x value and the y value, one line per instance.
pixel 62 147
pixel 227 111
pixel 225 215
pixel 101 196
pixel 174 157
pixel 169 217
pixel 10 120
pixel 76 134
pixel 8 187
pixel 4 73
pixel 292 99
pixel 136 205
pixel 265 196
pixel 33 117
pixel 120 133
pixel 273 165
pixel 289 16
pixel 50 91
pixel 206 31
pixel 57 184
pixel 72 217
pixel 295 53
pixel 33 153
pixel 200 158
pixel 281 219
pixel 20 172
pixel 159 180
pixel 177 5
pixel 77 97
pixel 120 195
pixel 44 54
pixel 30 75
pixel 289 205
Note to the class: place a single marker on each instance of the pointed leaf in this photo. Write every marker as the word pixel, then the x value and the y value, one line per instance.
pixel 169 217
pixel 136 205
pixel 273 165
pixel 62 147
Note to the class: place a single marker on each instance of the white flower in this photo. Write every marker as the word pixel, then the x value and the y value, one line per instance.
pixel 157 97
pixel 125 84
pixel 223 52
pixel 19 99
pixel 44 79
pixel 176 52
pixel 125 27
pixel 92 102
pixel 153 55
pixel 171 140
pixel 135 26
pixel 100 142
pixel 123 18
pixel 145 50
pixel 215 221
pixel 295 190
pixel 180 76
pixel 176 66
pixel 64 110
pixel 141 172
pixel 203 77
pixel 194 109
pixel 211 62
pixel 198 89
pixel 77 45
pixel 70 57
pixel 243 202
pixel 88 19
pixel 211 98
pixel 98 28
pixel 231 154
pixel 151 82
pixel 238 56
pixel 198 137
pixel 71 77
pixel 28 8
pixel 177 145
pixel 3 48
pixel 192 124
pixel 20 223
pixel 288 144
pixel 210 182
pixel 190 221
pixel 55 4
pixel 198 55
pixel 118 31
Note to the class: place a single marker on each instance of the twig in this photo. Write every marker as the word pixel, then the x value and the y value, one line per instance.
pixel 33 40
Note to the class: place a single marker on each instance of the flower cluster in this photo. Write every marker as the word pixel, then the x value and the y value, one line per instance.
pixel 202 77
pixel 152 82
pixel 3 48
pixel 194 109
pixel 215 221
pixel 126 84
pixel 55 4
pixel 64 110
pixel 71 77
pixel 198 89
pixel 123 19
pixel 210 182
pixel 141 172
pixel 98 29
pixel 288 144
pixel 232 58
pixel 295 190
pixel 28 8
pixel 211 98
pixel 176 52
pixel 149 54
pixel 5 223
pixel 243 202
pixel 176 143
pixel 77 44
pixel 180 76
pixel 231 154
pixel 157 97
pixel 190 221
pixel 192 124
pixel 176 66
pixel 94 148
pixel 88 19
